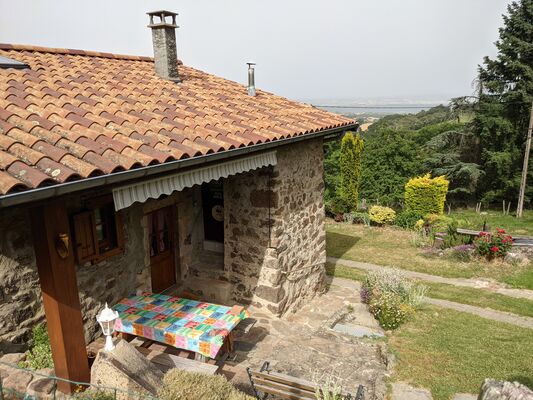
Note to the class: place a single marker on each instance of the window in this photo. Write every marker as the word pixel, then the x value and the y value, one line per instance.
pixel 159 234
pixel 98 231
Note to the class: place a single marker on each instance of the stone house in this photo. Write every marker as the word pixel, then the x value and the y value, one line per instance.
pixel 124 173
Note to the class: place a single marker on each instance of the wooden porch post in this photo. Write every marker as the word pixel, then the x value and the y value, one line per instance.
pixel 57 275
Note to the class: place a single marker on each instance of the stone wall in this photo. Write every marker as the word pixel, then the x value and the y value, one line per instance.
pixel 275 243
pixel 20 294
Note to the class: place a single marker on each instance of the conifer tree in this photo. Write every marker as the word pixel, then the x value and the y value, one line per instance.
pixel 350 169
pixel 505 96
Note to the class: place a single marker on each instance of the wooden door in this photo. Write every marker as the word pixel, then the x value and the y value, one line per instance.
pixel 161 247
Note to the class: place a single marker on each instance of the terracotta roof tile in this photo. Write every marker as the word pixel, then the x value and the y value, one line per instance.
pixel 9 184
pixel 76 114
pixel 32 177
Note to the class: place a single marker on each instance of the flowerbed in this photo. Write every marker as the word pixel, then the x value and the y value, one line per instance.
pixel 391 297
pixel 492 245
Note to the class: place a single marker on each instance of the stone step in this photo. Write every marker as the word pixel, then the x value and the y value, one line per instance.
pixel 211 290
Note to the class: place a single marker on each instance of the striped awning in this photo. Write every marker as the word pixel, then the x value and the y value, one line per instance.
pixel 125 196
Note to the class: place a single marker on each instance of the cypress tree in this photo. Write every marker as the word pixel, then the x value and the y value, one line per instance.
pixel 350 169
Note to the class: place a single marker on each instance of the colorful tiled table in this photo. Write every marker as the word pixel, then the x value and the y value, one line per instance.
pixel 183 323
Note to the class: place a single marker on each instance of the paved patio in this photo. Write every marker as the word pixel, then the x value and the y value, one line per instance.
pixel 304 345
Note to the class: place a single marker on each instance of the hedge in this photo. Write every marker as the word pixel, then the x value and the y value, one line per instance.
pixel 426 195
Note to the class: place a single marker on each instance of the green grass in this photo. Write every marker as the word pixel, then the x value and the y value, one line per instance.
pixel 391 246
pixel 522 280
pixel 496 219
pixel 453 352
pixel 464 295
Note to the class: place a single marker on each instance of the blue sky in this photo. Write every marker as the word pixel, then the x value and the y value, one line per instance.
pixel 304 49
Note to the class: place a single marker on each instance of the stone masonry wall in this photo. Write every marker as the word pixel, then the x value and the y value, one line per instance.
pixel 20 294
pixel 275 243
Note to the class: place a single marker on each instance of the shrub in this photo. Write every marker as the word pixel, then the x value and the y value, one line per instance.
pixel 493 245
pixel 426 195
pixel 407 219
pixel 328 387
pixel 350 168
pixel 336 206
pixel 389 310
pixel 40 353
pixel 381 215
pixel 184 385
pixel 357 218
pixel 391 297
pixel 95 394
pixel 463 252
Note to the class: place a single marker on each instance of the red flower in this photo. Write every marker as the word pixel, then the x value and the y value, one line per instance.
pixel 483 233
pixel 494 249
pixel 499 230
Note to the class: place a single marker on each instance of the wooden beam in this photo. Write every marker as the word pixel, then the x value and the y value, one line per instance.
pixel 57 275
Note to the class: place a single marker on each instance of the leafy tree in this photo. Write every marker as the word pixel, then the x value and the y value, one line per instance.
pixel 505 96
pixel 350 168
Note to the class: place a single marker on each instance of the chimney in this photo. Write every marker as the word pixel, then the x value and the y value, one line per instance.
pixel 164 40
pixel 251 79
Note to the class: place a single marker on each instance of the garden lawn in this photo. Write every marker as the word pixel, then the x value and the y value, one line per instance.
pixel 394 247
pixel 464 295
pixel 453 352
pixel 495 219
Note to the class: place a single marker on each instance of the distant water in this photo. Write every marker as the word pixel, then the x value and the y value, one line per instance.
pixel 376 110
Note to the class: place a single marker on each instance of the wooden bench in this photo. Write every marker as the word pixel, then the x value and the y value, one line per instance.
pixel 265 383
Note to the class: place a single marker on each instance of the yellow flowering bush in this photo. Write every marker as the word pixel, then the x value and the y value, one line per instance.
pixel 381 215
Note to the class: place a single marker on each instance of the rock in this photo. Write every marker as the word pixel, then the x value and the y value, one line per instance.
pixel 40 387
pixel 501 390
pixel 403 391
pixel 127 369
pixel 464 396
pixel 17 380
pixel 13 358
pixel 357 330
pixel 518 258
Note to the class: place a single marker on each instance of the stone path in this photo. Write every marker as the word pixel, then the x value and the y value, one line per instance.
pixel 488 313
pixel 485 284
pixel 303 344
pixel 404 391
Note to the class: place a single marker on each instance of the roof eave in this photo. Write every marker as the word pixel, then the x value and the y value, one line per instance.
pixel 39 194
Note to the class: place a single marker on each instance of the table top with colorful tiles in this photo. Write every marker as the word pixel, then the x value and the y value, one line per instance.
pixel 187 324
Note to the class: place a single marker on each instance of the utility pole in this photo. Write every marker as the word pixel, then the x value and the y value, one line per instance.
pixel 522 193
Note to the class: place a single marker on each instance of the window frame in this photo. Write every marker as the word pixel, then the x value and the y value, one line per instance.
pixel 98 256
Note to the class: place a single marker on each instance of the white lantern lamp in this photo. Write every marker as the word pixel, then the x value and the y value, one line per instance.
pixel 106 318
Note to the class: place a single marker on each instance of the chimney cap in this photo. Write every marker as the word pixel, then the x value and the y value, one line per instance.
pixel 162 14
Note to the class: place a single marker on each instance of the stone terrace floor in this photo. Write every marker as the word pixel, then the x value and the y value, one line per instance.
pixel 303 345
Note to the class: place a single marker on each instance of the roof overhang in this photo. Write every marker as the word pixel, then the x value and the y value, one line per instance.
pixel 151 171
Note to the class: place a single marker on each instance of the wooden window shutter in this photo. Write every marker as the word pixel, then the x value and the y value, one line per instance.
pixel 85 240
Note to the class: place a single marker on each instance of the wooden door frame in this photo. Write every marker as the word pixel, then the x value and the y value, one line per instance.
pixel 173 230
